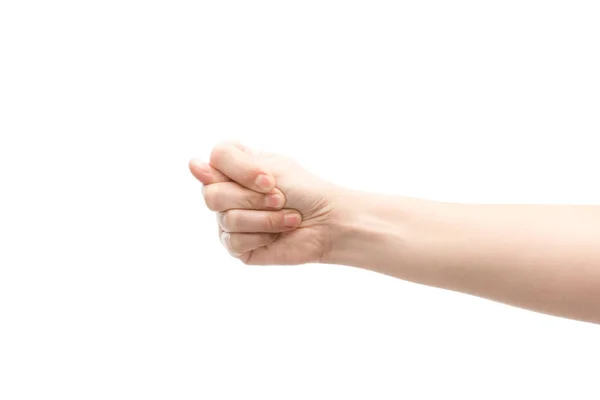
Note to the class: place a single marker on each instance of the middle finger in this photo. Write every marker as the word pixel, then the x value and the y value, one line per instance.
pixel 230 195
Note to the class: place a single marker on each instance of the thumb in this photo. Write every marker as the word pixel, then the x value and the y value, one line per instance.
pixel 206 173
pixel 237 162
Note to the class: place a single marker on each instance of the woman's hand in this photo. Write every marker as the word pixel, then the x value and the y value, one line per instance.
pixel 540 257
pixel 270 210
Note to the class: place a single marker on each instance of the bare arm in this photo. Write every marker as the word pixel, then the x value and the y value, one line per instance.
pixel 540 257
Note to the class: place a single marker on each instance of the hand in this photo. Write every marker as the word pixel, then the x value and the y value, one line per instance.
pixel 270 210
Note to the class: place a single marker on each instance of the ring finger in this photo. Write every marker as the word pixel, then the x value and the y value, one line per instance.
pixel 254 221
pixel 228 195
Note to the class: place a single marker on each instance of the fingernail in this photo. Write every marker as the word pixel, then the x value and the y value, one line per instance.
pixel 274 200
pixel 291 220
pixel 265 182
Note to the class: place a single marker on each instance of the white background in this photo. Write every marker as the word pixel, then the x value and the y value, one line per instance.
pixel 113 284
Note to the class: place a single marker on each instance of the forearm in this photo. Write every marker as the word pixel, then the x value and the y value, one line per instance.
pixel 541 257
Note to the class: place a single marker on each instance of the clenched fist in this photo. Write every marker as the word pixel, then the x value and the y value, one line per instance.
pixel 269 209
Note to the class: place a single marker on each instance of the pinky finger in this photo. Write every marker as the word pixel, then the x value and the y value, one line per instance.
pixel 240 244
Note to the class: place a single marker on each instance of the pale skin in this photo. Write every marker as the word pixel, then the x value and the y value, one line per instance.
pixel 271 211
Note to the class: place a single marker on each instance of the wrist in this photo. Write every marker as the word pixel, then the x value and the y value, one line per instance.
pixel 365 226
pixel 398 236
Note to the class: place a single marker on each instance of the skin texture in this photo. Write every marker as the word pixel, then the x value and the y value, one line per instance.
pixel 544 258
pixel 251 230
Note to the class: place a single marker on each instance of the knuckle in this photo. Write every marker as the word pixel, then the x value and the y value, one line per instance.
pixel 223 221
pixel 252 174
pixel 233 244
pixel 212 198
pixel 218 151
pixel 271 222
pixel 231 220
pixel 248 202
pixel 230 242
pixel 223 238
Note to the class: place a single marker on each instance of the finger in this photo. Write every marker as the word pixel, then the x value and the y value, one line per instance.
pixel 253 221
pixel 243 148
pixel 241 167
pixel 226 243
pixel 228 195
pixel 240 243
pixel 206 173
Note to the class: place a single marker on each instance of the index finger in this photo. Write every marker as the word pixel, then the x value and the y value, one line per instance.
pixel 241 167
